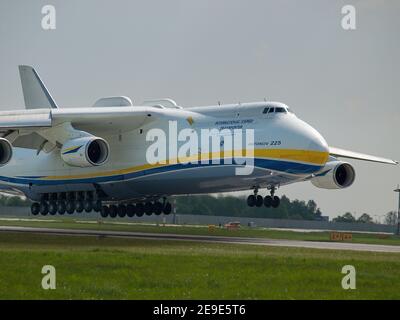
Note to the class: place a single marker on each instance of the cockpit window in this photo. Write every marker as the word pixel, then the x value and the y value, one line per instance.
pixel 279 109
pixel 266 110
pixel 271 110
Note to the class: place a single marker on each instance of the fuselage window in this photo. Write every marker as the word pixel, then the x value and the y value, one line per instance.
pixel 266 110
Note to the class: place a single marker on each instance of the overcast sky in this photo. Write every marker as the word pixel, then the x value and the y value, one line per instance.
pixel 344 83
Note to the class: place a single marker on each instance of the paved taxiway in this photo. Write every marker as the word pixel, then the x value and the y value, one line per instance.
pixel 212 239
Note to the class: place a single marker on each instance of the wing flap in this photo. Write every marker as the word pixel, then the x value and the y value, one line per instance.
pixel 341 153
pixel 25 119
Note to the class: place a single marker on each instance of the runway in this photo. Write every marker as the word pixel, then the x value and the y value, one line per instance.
pixel 208 239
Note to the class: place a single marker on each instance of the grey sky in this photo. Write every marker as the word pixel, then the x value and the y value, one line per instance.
pixel 344 83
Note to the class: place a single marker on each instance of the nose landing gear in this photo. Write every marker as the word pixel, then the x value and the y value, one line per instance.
pixel 255 200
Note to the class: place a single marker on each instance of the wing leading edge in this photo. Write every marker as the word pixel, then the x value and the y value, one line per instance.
pixel 341 153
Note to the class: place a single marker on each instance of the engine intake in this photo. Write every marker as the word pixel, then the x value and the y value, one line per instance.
pixel 335 175
pixel 85 152
pixel 6 151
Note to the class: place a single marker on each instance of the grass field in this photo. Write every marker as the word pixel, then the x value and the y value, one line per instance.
pixel 202 230
pixel 114 268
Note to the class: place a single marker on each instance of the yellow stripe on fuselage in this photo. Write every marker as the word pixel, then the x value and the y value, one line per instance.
pixel 294 155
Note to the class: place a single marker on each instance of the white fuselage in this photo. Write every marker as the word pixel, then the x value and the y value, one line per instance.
pixel 286 150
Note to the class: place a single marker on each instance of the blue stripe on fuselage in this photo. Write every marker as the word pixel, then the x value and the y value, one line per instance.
pixel 275 165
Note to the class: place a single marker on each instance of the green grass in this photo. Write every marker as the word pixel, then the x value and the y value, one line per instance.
pixel 116 268
pixel 367 238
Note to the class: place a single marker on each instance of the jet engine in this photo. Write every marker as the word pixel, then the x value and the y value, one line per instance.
pixel 335 175
pixel 85 152
pixel 6 151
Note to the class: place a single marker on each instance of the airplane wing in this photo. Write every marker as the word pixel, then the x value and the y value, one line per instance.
pixel 24 128
pixel 36 126
pixel 341 153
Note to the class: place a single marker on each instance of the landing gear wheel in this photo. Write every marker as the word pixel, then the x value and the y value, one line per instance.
pixel 113 211
pixel 61 207
pixel 139 209
pixel 35 208
pixel 121 211
pixel 148 208
pixel 79 206
pixel 52 208
pixel 97 206
pixel 44 208
pixel 105 211
pixel 259 201
pixel 167 208
pixel 268 201
pixel 130 210
pixel 275 202
pixel 88 205
pixel 70 207
pixel 251 200
pixel 158 208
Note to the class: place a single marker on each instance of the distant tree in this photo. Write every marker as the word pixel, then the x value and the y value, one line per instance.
pixel 365 218
pixel 222 205
pixel 347 217
pixel 391 218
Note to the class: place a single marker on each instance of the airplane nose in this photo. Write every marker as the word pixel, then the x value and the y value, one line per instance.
pixel 312 139
pixel 317 141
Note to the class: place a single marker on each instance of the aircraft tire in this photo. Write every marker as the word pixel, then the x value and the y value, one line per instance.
pixel 121 211
pixel 268 201
pixel 70 207
pixel 105 211
pixel 259 201
pixel 158 208
pixel 44 208
pixel 61 207
pixel 275 202
pixel 52 208
pixel 251 200
pixel 139 209
pixel 88 205
pixel 148 208
pixel 113 211
pixel 79 206
pixel 167 208
pixel 35 208
pixel 130 210
pixel 97 206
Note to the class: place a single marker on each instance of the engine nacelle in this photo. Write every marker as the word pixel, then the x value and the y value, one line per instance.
pixel 85 152
pixel 6 151
pixel 341 175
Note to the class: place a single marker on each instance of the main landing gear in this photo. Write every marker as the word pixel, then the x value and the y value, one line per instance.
pixel 138 209
pixel 255 200
pixel 64 206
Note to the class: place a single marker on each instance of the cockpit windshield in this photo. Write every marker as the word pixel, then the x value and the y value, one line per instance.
pixel 269 110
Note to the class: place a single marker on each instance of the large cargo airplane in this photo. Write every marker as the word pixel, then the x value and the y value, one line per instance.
pixel 96 158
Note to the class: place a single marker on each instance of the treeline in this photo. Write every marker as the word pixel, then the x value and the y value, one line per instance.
pixel 390 218
pixel 14 201
pixel 237 207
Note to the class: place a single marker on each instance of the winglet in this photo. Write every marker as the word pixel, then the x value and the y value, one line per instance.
pixel 35 92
